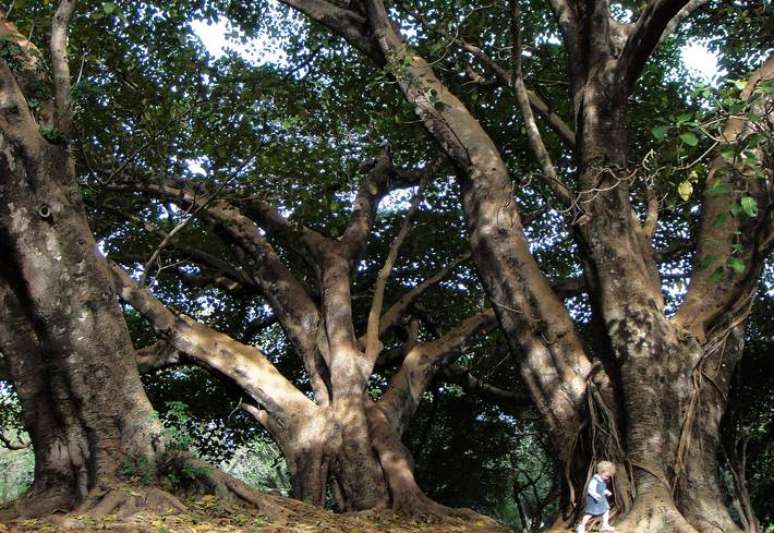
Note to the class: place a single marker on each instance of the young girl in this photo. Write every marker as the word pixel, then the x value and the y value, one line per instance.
pixel 596 497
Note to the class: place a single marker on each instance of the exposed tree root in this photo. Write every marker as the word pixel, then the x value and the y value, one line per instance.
pixel 654 514
pixel 124 507
pixel 35 504
pixel 122 503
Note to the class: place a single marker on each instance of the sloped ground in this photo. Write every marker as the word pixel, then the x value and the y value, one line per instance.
pixel 211 514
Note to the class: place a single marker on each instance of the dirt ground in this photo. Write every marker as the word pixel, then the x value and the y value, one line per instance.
pixel 212 515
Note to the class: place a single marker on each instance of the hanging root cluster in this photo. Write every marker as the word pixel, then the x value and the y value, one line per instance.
pixel 607 445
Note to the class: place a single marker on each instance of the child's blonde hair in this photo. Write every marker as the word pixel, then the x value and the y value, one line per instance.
pixel 606 467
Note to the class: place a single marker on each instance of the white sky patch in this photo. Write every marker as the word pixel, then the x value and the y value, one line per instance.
pixel 700 61
pixel 218 42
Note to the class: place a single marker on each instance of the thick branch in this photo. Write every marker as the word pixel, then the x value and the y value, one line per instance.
pixel 645 36
pixel 295 309
pixel 715 242
pixel 63 118
pixel 16 122
pixel 461 375
pixel 566 16
pixel 372 189
pixel 246 365
pixel 348 24
pixel 267 216
pixel 160 354
pixel 421 363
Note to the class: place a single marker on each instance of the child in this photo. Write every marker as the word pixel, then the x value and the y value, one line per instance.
pixel 596 497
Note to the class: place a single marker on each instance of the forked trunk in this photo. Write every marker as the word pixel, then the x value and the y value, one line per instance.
pixel 365 466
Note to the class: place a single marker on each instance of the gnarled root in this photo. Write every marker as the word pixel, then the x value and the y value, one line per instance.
pixel 124 503
pixel 419 507
pixel 37 503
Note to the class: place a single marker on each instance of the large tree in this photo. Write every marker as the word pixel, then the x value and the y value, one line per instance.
pixel 642 389
pixel 658 380
pixel 65 343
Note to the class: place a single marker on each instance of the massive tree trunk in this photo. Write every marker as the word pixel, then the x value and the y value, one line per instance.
pixel 351 443
pixel 63 334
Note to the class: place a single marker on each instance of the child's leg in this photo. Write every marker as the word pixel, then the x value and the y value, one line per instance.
pixel 605 523
pixel 581 528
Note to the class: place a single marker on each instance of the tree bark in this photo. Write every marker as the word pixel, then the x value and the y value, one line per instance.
pixel 64 336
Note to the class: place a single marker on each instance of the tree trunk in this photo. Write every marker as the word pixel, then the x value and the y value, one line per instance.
pixel 64 336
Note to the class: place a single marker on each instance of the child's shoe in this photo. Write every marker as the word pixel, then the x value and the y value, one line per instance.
pixel 580 529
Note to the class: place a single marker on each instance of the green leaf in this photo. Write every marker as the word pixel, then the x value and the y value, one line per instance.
pixel 754 140
pixel 685 189
pixel 727 152
pixel 707 261
pixel 689 138
pixel 685 117
pixel 717 275
pixel 740 84
pixel 736 265
pixel 719 187
pixel 109 7
pixel 373 188
pixel 720 219
pixel 749 206
pixel 659 132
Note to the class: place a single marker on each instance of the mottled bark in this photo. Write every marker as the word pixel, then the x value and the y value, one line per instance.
pixel 64 336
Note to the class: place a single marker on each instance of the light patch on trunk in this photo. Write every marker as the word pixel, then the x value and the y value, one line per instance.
pixel 19 220
pixel 52 246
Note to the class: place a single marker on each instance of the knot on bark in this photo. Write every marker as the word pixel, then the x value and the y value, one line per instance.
pixel 43 211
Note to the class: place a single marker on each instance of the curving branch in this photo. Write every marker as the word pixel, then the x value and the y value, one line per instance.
pixel 294 307
pixel 554 121
pixel 246 365
pixel 372 344
pixel 681 15
pixel 645 35
pixel 63 117
pixel 422 362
